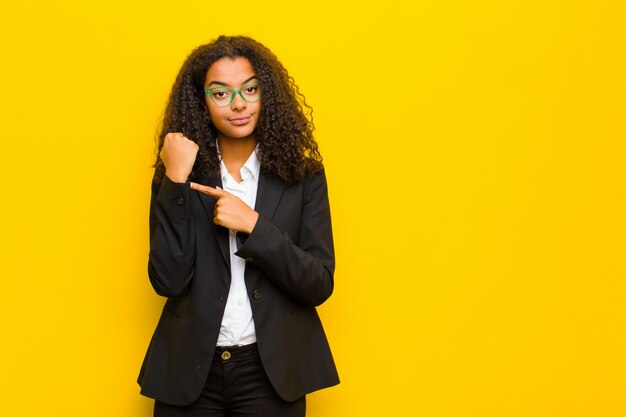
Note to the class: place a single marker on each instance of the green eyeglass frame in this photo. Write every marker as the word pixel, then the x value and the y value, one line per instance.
pixel 233 93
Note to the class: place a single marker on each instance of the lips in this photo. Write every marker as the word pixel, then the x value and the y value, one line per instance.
pixel 238 121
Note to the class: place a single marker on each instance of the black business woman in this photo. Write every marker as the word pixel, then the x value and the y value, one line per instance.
pixel 240 242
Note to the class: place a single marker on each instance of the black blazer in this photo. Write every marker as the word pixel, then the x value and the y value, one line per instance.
pixel 289 271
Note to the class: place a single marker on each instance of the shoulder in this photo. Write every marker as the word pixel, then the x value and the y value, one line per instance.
pixel 314 172
pixel 312 166
pixel 314 184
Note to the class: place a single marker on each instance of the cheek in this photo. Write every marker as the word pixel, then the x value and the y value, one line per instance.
pixel 256 108
pixel 257 115
pixel 208 107
pixel 214 112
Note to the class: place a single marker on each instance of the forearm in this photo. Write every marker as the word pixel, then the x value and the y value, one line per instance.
pixel 304 269
pixel 305 276
pixel 172 253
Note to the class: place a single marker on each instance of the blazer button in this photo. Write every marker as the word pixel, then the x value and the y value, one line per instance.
pixel 256 294
pixel 249 259
pixel 180 201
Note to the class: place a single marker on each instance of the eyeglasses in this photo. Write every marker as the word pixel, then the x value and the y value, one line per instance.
pixel 222 96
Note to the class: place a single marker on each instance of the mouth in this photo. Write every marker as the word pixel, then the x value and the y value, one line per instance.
pixel 238 121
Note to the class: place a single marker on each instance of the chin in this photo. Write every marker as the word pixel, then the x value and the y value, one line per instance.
pixel 237 134
pixel 242 135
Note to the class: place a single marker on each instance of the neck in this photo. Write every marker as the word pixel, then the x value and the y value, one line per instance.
pixel 238 149
pixel 235 152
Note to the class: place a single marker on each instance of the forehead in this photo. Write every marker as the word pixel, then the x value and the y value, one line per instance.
pixel 231 71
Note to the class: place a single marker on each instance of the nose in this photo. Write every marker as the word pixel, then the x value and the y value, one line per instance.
pixel 238 103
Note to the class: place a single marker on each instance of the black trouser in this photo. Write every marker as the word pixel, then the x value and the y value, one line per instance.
pixel 237 386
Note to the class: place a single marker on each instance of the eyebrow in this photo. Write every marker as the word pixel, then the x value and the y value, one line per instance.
pixel 224 84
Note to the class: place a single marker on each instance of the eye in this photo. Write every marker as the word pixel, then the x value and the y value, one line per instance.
pixel 220 94
pixel 251 90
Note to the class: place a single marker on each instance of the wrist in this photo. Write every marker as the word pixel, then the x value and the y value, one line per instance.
pixel 252 223
pixel 176 176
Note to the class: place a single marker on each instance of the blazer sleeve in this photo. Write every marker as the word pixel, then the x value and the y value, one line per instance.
pixel 304 271
pixel 172 255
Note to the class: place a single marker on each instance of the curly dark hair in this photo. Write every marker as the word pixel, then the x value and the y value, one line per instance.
pixel 284 130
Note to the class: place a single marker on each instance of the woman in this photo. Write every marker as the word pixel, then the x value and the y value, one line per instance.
pixel 240 242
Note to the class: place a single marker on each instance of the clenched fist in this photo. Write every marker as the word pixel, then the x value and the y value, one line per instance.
pixel 178 155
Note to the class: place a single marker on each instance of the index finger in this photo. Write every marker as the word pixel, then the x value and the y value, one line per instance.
pixel 213 192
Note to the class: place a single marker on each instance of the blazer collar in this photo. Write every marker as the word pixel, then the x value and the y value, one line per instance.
pixel 269 193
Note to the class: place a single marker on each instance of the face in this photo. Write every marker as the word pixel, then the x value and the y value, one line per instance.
pixel 238 119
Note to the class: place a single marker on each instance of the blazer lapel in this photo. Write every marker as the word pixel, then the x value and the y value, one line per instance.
pixel 268 195
pixel 221 233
